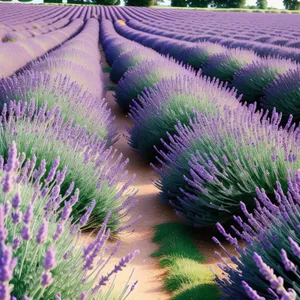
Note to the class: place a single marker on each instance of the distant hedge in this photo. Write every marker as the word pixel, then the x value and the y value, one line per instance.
pixel 146 3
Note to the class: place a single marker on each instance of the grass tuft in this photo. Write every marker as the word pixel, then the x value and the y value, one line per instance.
pixel 186 277
pixel 111 88
pixel 106 69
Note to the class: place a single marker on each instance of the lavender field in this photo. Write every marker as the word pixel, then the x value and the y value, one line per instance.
pixel 149 154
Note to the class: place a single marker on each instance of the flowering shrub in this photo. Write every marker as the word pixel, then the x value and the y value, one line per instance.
pixel 130 60
pixel 159 109
pixel 284 94
pixel 145 75
pixel 39 253
pixel 61 91
pixel 267 265
pixel 224 65
pixel 114 50
pixel 198 55
pixel 252 79
pixel 94 168
pixel 217 161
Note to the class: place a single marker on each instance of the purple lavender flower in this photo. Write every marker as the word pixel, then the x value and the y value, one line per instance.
pixel 86 216
pixel 295 247
pixel 16 201
pixel 25 234
pixel 12 158
pixel 288 265
pixel 47 279
pixel 52 172
pixel 268 262
pixel 28 214
pixel 49 261
pixel 8 183
pixel 252 294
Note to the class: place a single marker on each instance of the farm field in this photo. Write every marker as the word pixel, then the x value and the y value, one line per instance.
pixel 149 154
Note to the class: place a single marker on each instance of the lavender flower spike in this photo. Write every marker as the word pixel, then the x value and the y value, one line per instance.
pixel 49 261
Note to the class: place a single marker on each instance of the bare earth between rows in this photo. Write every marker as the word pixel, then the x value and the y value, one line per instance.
pixel 147 270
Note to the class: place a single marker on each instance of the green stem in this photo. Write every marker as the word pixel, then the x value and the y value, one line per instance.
pixel 23 260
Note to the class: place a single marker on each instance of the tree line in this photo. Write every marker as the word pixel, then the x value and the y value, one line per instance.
pixel 260 4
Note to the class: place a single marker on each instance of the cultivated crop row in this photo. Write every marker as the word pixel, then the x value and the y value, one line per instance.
pixel 213 153
pixel 266 80
pixel 261 48
pixel 15 55
pixel 60 174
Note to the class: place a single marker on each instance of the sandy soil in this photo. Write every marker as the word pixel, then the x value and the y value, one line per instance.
pixel 147 270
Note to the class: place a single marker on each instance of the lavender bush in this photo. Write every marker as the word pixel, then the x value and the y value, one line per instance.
pixel 145 75
pixel 252 79
pixel 224 65
pixel 130 60
pixel 197 55
pixel 267 264
pixel 94 168
pixel 217 161
pixel 284 94
pixel 61 91
pixel 114 50
pixel 159 109
pixel 40 253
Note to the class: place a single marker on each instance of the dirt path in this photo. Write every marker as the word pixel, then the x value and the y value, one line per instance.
pixel 147 270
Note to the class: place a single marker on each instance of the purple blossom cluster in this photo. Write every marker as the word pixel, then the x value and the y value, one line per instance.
pixel 267 264
pixel 237 65
pixel 70 79
pixel 99 172
pixel 15 56
pixel 39 253
pixel 221 29
pixel 215 161
pixel 158 110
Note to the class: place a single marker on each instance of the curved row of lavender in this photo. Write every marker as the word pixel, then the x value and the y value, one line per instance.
pixel 268 80
pixel 225 29
pixel 56 81
pixel 42 117
pixel 71 78
pixel 261 48
pixel 33 31
pixel 266 264
pixel 41 255
pixel 153 67
pixel 14 56
pixel 217 155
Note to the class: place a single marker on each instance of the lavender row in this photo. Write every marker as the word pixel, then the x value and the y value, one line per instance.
pixel 41 254
pixel 158 110
pixel 24 34
pixel 14 56
pixel 239 25
pixel 265 80
pixel 53 83
pixel 58 80
pixel 42 232
pixel 145 74
pixel 266 264
pixel 261 48
pixel 201 32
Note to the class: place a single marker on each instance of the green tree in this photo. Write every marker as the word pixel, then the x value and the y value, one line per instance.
pixel 199 3
pixel 262 4
pixel 229 3
pixel 179 3
pixel 190 3
pixel 145 3
pixel 48 1
pixel 291 4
